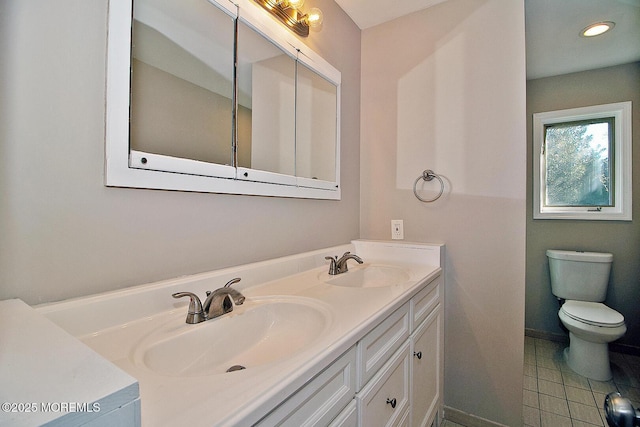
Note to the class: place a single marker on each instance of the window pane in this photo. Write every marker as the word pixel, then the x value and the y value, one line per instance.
pixel 578 163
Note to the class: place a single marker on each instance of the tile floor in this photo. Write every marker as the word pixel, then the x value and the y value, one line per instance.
pixel 555 396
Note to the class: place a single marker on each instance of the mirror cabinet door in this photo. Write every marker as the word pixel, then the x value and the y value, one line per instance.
pixel 267 90
pixel 316 127
pixel 181 104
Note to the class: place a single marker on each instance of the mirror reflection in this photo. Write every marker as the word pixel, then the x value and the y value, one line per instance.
pixel 182 81
pixel 316 126
pixel 267 74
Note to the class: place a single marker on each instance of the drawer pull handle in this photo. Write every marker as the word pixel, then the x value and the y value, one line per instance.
pixel 418 354
pixel 392 402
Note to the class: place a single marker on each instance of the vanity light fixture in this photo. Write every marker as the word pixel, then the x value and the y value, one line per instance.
pixel 288 12
pixel 597 29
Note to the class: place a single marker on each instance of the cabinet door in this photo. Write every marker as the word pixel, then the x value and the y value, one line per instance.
pixel 384 401
pixel 426 389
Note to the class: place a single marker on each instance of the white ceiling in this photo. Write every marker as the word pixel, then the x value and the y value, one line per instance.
pixel 553 43
pixel 368 13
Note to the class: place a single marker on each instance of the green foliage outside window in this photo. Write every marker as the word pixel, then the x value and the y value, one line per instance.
pixel 577 170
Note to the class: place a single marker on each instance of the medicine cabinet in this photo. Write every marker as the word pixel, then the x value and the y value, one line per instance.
pixel 214 96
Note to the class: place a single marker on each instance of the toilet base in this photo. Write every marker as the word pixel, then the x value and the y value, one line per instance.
pixel 588 359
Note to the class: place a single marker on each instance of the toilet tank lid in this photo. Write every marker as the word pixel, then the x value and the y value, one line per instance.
pixel 580 256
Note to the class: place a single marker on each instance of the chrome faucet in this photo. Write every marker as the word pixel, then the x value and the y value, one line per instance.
pixel 339 266
pixel 217 303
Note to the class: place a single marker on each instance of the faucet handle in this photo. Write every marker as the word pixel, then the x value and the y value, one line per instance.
pixel 333 267
pixel 195 314
pixel 231 282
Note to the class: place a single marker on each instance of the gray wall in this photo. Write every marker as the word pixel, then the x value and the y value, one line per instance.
pixel 64 234
pixel 444 89
pixel 621 238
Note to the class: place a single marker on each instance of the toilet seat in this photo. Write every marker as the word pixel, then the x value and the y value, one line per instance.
pixel 592 313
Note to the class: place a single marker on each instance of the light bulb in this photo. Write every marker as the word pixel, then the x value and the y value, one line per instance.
pixel 597 29
pixel 314 17
pixel 296 4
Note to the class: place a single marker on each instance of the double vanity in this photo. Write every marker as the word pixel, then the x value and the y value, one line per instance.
pixel 362 347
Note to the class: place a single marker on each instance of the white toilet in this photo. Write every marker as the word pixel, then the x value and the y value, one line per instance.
pixel 581 279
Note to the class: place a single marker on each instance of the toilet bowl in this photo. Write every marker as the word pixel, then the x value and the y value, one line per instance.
pixel 592 326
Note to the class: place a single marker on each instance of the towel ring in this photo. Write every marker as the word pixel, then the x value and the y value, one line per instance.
pixel 428 175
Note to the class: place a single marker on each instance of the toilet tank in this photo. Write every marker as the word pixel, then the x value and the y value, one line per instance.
pixel 582 276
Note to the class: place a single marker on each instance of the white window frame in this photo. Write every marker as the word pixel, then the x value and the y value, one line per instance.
pixel 621 209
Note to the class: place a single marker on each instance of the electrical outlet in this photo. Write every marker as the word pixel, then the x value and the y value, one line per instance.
pixel 397 229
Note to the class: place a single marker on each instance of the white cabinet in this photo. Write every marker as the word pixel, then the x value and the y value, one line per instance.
pixel 426 370
pixel 404 388
pixel 424 302
pixel 378 345
pixel 321 400
pixel 348 417
pixel 384 401
pixel 392 377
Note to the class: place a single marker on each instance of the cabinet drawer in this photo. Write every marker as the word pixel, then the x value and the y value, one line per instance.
pixel 388 388
pixel 320 400
pixel 425 301
pixel 348 417
pixel 379 344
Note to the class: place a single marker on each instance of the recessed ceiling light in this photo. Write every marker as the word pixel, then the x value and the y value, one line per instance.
pixel 597 29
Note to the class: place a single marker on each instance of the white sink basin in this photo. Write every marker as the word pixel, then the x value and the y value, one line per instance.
pixel 368 276
pixel 259 332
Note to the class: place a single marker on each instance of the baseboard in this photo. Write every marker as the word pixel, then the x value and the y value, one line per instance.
pixel 545 335
pixel 624 348
pixel 551 336
pixel 468 420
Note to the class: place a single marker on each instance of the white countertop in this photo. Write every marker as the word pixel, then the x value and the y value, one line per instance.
pixel 241 397
pixel 49 377
pixel 233 399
